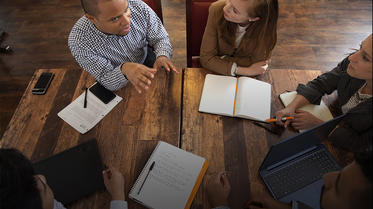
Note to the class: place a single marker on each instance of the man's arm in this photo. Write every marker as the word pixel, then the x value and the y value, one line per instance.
pixel 111 77
pixel 156 34
pixel 158 38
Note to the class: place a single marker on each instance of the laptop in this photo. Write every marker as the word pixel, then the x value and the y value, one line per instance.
pixel 73 173
pixel 293 168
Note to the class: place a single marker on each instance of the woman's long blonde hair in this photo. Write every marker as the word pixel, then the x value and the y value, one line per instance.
pixel 261 35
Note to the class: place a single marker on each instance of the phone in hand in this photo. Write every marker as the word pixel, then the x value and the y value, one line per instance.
pixel 43 83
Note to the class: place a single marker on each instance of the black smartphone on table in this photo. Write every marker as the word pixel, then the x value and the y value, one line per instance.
pixel 102 93
pixel 43 83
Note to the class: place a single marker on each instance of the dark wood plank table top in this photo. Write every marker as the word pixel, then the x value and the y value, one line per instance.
pixel 232 144
pixel 129 133
pixel 126 136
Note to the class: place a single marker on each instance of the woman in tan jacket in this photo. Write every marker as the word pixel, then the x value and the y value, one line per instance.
pixel 239 36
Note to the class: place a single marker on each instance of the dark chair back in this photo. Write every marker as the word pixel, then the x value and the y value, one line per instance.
pixel 156 5
pixel 196 19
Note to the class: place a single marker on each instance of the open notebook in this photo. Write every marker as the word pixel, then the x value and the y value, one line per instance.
pixel 320 111
pixel 172 181
pixel 242 97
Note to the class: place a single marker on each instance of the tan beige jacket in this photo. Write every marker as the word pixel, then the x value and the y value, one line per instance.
pixel 213 47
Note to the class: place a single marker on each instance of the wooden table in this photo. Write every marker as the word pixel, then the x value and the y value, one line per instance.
pixel 168 111
pixel 233 144
pixel 126 136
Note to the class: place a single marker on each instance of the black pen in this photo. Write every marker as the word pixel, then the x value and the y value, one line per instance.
pixel 85 97
pixel 266 128
pixel 151 168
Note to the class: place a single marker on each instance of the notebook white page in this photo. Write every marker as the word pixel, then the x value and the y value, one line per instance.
pixel 84 119
pixel 171 181
pixel 218 95
pixel 253 99
pixel 320 111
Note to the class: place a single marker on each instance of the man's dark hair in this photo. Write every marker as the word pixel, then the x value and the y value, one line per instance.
pixel 364 159
pixel 18 188
pixel 90 7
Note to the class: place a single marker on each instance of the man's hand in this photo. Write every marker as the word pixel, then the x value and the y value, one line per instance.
pixel 218 189
pixel 165 63
pixel 114 183
pixel 266 202
pixel 139 75
pixel 304 120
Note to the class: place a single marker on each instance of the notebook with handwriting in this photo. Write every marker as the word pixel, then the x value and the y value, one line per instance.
pixel 170 178
pixel 84 119
pixel 242 97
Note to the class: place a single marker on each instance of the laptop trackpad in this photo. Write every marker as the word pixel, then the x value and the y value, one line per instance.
pixel 310 195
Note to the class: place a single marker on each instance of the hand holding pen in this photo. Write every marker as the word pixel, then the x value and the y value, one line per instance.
pixel 286 112
pixel 283 119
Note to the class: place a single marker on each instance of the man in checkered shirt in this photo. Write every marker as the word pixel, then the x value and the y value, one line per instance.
pixel 111 41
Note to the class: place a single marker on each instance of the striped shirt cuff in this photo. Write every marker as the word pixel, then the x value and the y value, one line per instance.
pixel 118 204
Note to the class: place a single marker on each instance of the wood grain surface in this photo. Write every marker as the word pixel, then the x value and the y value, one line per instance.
pixel 126 136
pixel 168 111
pixel 231 144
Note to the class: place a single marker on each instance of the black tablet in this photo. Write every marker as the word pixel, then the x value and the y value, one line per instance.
pixel 73 173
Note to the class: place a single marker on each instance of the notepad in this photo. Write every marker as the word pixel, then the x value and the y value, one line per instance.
pixel 84 119
pixel 173 181
pixel 320 111
pixel 242 97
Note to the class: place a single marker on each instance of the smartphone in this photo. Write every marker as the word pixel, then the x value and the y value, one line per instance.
pixel 102 93
pixel 43 83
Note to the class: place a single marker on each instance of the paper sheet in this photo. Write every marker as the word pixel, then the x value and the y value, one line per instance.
pixel 253 99
pixel 84 119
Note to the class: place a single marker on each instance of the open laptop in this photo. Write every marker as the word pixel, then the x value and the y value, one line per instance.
pixel 293 168
pixel 73 173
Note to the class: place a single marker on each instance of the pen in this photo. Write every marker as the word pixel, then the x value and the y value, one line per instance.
pixel 266 128
pixel 151 168
pixel 85 98
pixel 271 120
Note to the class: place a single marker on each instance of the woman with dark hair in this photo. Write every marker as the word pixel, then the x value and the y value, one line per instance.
pixel 239 36
pixel 352 79
pixel 20 188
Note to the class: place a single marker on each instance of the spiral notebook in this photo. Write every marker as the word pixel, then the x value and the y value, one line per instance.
pixel 170 178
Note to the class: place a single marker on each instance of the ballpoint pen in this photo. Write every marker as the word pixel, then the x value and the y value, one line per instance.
pixel 283 119
pixel 85 98
pixel 150 169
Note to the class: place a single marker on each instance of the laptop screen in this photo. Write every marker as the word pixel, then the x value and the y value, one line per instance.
pixel 300 142
pixel 73 173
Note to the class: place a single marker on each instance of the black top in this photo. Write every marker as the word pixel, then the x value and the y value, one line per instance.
pixel 355 131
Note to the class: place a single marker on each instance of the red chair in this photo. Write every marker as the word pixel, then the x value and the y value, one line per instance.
pixel 196 19
pixel 156 5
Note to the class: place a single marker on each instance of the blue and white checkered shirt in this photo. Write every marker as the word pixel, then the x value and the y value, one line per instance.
pixel 102 55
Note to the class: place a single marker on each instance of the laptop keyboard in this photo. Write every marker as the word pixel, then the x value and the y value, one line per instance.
pixel 300 174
